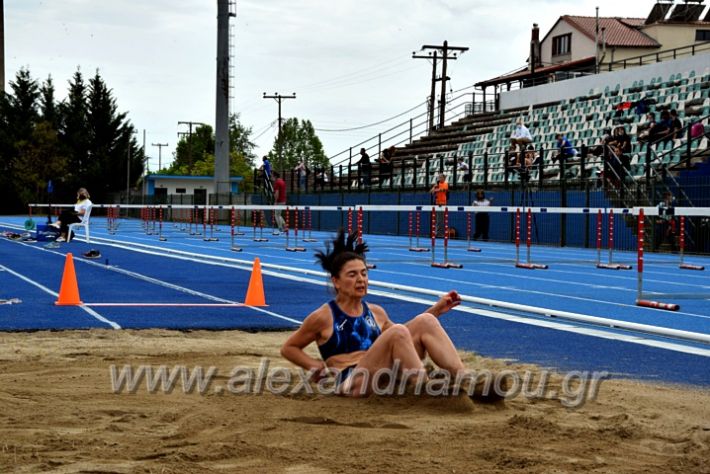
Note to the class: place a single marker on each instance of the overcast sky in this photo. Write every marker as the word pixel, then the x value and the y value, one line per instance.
pixel 348 61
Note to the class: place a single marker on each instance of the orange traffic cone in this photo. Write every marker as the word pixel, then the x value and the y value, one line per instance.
pixel 255 292
pixel 69 291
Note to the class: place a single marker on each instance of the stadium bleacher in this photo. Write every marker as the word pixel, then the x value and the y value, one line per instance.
pixel 583 119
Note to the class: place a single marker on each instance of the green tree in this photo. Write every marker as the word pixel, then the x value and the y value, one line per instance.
pixel 191 149
pixel 73 134
pixel 194 156
pixel 298 141
pixel 111 143
pixel 47 104
pixel 40 160
pixel 20 112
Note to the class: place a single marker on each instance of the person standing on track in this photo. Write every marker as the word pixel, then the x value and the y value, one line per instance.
pixel 356 339
pixel 279 200
pixel 440 190
pixel 482 218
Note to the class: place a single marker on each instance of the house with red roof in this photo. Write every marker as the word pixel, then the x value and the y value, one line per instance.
pixel 580 45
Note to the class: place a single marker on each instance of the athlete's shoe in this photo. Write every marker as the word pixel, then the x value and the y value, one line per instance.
pixel 486 391
pixel 93 253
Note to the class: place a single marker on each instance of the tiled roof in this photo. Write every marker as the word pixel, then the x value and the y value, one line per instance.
pixel 619 31
pixel 539 72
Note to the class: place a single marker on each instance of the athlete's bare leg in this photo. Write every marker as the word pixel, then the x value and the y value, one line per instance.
pixel 395 344
pixel 430 338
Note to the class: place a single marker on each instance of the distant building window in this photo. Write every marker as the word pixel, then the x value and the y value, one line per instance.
pixel 702 35
pixel 180 191
pixel 561 44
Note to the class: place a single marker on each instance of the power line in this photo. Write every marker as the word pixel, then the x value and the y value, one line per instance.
pixel 351 75
pixel 368 125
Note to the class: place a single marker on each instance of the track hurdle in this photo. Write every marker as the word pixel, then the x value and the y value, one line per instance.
pixel 258 216
pixel 526 265
pixel 685 266
pixel 417 218
pixel 468 235
pixel 360 220
pixel 445 263
pixel 111 214
pixel 610 265
pixel 295 248
pixel 209 215
pixel 233 221
pixel 161 237
pixel 639 292
pixel 308 213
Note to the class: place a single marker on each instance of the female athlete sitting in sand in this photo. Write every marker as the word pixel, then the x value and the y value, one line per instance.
pixel 357 339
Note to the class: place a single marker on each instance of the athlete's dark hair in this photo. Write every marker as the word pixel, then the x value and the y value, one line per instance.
pixel 339 251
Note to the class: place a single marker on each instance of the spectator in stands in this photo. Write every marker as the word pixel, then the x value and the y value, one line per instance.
pixel 660 129
pixel 532 157
pixel 482 218
pixel 266 168
pixel 676 125
pixel 302 172
pixel 440 191
pixel 565 150
pixel 618 155
pixel 279 200
pixel 521 136
pixel 364 166
pixel 385 161
pixel 598 150
pixel 665 228
pixel 265 175
pixel 321 178
pixel 463 170
pixel 620 140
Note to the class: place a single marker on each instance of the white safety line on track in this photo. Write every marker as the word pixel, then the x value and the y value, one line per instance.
pixel 93 313
pixel 566 327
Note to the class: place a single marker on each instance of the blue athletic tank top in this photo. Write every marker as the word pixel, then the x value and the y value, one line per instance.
pixel 350 334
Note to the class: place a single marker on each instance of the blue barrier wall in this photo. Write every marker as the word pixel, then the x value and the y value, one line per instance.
pixel 580 230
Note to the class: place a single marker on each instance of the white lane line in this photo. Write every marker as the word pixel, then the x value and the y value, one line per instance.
pixel 166 284
pixel 634 339
pixel 321 283
pixel 534 292
pixel 47 290
pixel 182 255
pixel 637 339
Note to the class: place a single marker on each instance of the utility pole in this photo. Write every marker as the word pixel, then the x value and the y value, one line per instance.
pixel 160 153
pixel 2 45
pixel 444 51
pixel 278 98
pixel 189 139
pixel 432 98
pixel 128 165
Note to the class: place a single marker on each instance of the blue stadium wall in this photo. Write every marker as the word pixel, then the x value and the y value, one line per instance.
pixel 547 229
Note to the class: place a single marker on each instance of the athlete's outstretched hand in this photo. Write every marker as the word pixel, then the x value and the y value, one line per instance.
pixel 445 303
